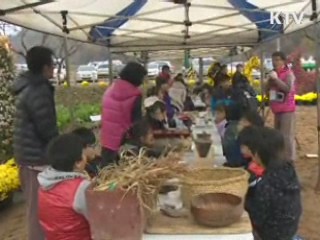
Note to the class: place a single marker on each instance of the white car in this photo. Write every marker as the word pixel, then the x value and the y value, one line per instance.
pixel 103 70
pixel 21 67
pixel 153 69
pixel 87 73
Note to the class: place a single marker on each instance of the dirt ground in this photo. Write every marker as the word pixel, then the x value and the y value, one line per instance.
pixel 12 220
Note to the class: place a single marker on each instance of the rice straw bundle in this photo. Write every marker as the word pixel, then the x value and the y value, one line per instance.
pixel 140 174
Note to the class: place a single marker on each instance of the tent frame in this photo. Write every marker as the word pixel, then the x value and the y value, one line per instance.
pixel 186 43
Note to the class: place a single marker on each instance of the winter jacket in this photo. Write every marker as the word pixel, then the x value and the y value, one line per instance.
pixel 169 107
pixel 245 96
pixel 220 96
pixel 178 94
pixel 231 146
pixel 117 112
pixel 35 122
pixel 288 105
pixel 62 205
pixel 275 204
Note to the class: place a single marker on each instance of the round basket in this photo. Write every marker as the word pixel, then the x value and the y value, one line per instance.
pixel 214 180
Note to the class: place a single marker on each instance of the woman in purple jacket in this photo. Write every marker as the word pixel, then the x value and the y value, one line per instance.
pixel 162 89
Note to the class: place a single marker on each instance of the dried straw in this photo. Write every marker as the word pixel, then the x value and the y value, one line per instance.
pixel 140 174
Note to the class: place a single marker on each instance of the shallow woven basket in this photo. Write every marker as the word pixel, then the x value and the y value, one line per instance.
pixel 214 180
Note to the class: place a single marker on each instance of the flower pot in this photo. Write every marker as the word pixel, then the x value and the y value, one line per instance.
pixel 115 215
pixel 203 147
pixel 204 136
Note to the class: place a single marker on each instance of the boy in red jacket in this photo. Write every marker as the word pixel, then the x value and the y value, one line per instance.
pixel 62 202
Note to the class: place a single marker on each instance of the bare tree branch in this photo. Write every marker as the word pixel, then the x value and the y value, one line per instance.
pixel 23 41
pixel 44 39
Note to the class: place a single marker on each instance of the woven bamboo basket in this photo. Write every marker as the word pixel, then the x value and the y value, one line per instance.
pixel 214 180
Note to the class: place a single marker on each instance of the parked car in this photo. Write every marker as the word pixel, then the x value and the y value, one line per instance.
pixel 86 73
pixel 153 69
pixel 21 67
pixel 103 70
pixel 94 64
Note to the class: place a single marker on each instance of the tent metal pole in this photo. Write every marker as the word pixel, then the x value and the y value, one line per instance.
pixel 67 59
pixel 110 66
pixel 278 44
pixel 201 69
pixel 314 18
pixel 66 52
pixel 262 72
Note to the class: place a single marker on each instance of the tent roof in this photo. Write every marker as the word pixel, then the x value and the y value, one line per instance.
pixel 195 53
pixel 138 25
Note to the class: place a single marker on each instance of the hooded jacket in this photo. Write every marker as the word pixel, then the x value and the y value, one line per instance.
pixel 35 118
pixel 62 205
pixel 275 204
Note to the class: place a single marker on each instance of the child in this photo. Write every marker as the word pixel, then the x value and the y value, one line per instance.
pixel 230 146
pixel 220 119
pixel 250 118
pixel 248 148
pixel 221 93
pixel 275 204
pixel 230 142
pixel 155 113
pixel 140 136
pixel 89 147
pixel 62 201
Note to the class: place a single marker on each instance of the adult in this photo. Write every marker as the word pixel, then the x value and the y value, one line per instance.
pixel 281 87
pixel 239 77
pixel 224 69
pixel 242 92
pixel 35 126
pixel 212 72
pixel 162 92
pixel 165 73
pixel 121 107
pixel 178 92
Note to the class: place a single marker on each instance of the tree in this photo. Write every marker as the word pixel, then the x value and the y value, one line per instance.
pixel 22 51
pixel 7 107
pixel 61 57
pixel 57 47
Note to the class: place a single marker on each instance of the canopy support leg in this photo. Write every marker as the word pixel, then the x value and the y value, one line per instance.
pixel 110 66
pixel 66 32
pixel 278 44
pixel 314 18
pixel 262 77
pixel 201 69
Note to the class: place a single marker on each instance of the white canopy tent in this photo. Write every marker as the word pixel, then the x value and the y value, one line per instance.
pixel 138 25
pixel 162 25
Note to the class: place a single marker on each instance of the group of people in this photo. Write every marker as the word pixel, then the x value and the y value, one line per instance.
pixel 273 200
pixel 56 170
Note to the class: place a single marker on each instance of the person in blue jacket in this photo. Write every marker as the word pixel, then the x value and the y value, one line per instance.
pixel 221 94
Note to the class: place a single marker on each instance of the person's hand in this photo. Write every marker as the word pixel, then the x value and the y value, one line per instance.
pixel 273 75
